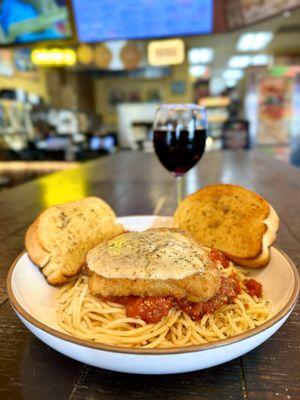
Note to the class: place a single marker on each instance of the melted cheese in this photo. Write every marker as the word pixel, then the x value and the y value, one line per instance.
pixel 148 255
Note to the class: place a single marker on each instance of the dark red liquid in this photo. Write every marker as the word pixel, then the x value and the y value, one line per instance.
pixel 179 151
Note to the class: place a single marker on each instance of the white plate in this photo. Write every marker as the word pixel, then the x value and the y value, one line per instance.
pixel 32 300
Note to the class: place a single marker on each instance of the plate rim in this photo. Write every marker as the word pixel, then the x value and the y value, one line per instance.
pixel 140 351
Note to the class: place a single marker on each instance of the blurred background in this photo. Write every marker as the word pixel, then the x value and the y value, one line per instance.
pixel 81 79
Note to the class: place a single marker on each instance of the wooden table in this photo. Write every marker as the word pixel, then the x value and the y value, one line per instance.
pixel 135 183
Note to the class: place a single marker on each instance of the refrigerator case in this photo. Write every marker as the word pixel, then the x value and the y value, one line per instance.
pixel 275 110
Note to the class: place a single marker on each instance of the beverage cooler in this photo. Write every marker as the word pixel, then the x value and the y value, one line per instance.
pixel 272 107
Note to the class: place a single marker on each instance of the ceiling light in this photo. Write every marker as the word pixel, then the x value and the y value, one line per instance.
pixel 235 74
pixel 239 61
pixel 254 41
pixel 244 61
pixel 230 83
pixel 200 55
pixel 198 70
pixel 260 59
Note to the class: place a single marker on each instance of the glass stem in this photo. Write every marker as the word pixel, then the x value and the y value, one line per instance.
pixel 179 181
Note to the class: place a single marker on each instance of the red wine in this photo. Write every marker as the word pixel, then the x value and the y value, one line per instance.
pixel 179 151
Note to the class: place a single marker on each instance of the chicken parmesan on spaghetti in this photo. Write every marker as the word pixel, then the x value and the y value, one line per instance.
pixel 159 288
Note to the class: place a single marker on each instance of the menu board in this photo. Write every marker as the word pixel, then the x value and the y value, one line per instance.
pixel 245 12
pixel 101 20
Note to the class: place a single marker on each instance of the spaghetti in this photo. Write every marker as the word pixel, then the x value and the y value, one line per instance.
pixel 87 317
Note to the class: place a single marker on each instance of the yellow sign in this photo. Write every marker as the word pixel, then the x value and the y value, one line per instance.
pixel 54 57
pixel 166 52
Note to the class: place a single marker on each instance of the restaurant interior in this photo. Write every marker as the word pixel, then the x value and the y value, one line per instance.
pixel 79 81
pixel 149 199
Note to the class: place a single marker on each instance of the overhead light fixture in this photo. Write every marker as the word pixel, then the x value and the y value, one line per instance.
pixel 233 74
pixel 200 55
pixel 254 41
pixel 244 61
pixel 231 83
pixel 260 59
pixel 198 71
pixel 56 57
pixel 239 61
pixel 166 52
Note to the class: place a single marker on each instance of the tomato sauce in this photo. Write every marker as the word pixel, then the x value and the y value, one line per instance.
pixel 219 257
pixel 228 291
pixel 253 287
pixel 153 309
pixel 150 309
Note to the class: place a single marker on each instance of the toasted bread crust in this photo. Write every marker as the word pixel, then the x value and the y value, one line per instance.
pixel 229 218
pixel 272 223
pixel 59 239
pixel 258 262
pixel 41 257
pixel 35 251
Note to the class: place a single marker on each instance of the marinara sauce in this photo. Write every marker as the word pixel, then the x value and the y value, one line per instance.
pixel 228 291
pixel 153 309
pixel 253 287
pixel 150 309
pixel 219 257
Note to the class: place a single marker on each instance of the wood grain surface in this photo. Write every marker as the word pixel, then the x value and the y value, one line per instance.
pixel 135 183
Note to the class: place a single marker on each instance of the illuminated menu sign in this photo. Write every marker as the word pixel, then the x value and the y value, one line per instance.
pixel 100 20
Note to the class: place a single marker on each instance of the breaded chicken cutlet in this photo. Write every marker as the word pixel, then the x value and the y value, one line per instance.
pixel 156 262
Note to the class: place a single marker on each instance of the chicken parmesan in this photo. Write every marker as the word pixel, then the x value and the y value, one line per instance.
pixel 159 288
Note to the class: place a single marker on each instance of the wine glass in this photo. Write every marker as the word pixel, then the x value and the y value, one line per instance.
pixel 179 136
